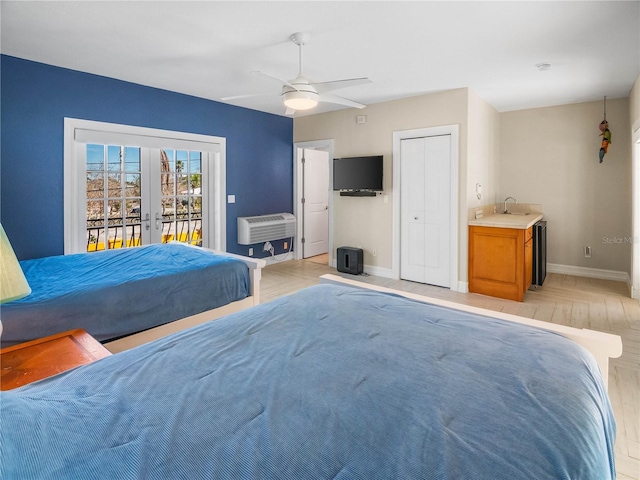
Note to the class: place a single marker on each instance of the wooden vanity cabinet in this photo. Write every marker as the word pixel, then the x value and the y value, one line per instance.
pixel 500 261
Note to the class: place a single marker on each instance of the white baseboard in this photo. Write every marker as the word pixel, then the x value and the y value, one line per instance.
pixel 282 257
pixel 371 270
pixel 463 287
pixel 589 272
pixel 379 271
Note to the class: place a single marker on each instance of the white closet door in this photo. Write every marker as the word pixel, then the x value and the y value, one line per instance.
pixel 425 198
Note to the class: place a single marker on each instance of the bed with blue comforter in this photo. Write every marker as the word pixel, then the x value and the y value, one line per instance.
pixel 329 383
pixel 115 293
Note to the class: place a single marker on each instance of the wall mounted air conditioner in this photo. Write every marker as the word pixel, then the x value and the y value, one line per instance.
pixel 265 228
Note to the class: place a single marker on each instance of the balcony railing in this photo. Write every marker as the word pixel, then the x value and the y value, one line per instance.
pixel 129 233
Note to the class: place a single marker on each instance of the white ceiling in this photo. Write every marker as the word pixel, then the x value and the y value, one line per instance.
pixel 208 49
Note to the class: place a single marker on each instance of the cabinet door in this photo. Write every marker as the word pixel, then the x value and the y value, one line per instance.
pixel 496 262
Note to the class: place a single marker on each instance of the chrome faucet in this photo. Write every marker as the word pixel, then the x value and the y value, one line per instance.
pixel 505 203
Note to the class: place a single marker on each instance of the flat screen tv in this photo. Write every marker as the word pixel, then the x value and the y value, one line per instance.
pixel 358 173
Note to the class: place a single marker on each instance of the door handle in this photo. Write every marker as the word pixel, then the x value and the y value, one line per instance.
pixel 147 220
pixel 157 221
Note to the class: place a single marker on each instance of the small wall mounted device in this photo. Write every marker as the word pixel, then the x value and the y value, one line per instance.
pixel 479 191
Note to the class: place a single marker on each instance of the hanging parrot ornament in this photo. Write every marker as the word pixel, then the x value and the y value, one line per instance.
pixel 605 133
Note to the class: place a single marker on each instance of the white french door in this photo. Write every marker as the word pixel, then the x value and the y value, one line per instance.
pixel 129 186
pixel 114 177
pixel 136 196
pixel 182 196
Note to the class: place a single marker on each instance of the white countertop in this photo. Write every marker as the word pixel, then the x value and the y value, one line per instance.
pixel 508 220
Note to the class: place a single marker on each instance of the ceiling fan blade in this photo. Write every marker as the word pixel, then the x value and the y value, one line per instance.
pixel 323 87
pixel 236 97
pixel 327 97
pixel 272 77
pixel 290 112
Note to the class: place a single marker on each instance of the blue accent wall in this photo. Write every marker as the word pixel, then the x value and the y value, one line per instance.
pixel 35 99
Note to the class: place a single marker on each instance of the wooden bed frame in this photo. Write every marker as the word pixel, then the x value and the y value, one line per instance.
pixel 602 346
pixel 255 274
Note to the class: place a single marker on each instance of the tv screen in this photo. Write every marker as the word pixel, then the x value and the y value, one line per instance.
pixel 358 173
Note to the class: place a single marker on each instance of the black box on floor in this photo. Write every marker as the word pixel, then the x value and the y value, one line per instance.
pixel 350 260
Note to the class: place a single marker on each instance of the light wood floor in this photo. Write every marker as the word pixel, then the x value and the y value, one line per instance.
pixel 576 301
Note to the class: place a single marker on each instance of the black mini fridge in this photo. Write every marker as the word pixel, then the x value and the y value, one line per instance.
pixel 539 253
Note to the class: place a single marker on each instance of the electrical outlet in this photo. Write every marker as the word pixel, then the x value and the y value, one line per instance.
pixel 251 252
pixel 587 252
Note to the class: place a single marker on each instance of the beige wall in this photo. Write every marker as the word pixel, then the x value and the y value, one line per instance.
pixel 634 106
pixel 634 121
pixel 545 156
pixel 483 155
pixel 550 156
pixel 368 222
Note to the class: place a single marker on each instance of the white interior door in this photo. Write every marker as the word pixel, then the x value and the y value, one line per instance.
pixel 315 203
pixel 425 218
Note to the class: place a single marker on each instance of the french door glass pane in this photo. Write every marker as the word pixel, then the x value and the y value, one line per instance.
pixel 113 192
pixel 181 181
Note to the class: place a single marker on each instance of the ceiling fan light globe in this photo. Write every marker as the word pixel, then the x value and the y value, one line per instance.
pixel 300 100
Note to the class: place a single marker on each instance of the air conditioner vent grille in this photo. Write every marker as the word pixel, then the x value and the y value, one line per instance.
pixel 265 228
pixel 264 218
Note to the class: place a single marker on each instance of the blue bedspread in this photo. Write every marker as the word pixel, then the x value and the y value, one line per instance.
pixel 329 383
pixel 118 292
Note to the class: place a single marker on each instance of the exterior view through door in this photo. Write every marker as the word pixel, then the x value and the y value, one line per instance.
pixel 315 202
pixel 138 196
pixel 425 210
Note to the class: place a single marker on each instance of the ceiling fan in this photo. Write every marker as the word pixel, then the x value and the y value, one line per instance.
pixel 302 94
